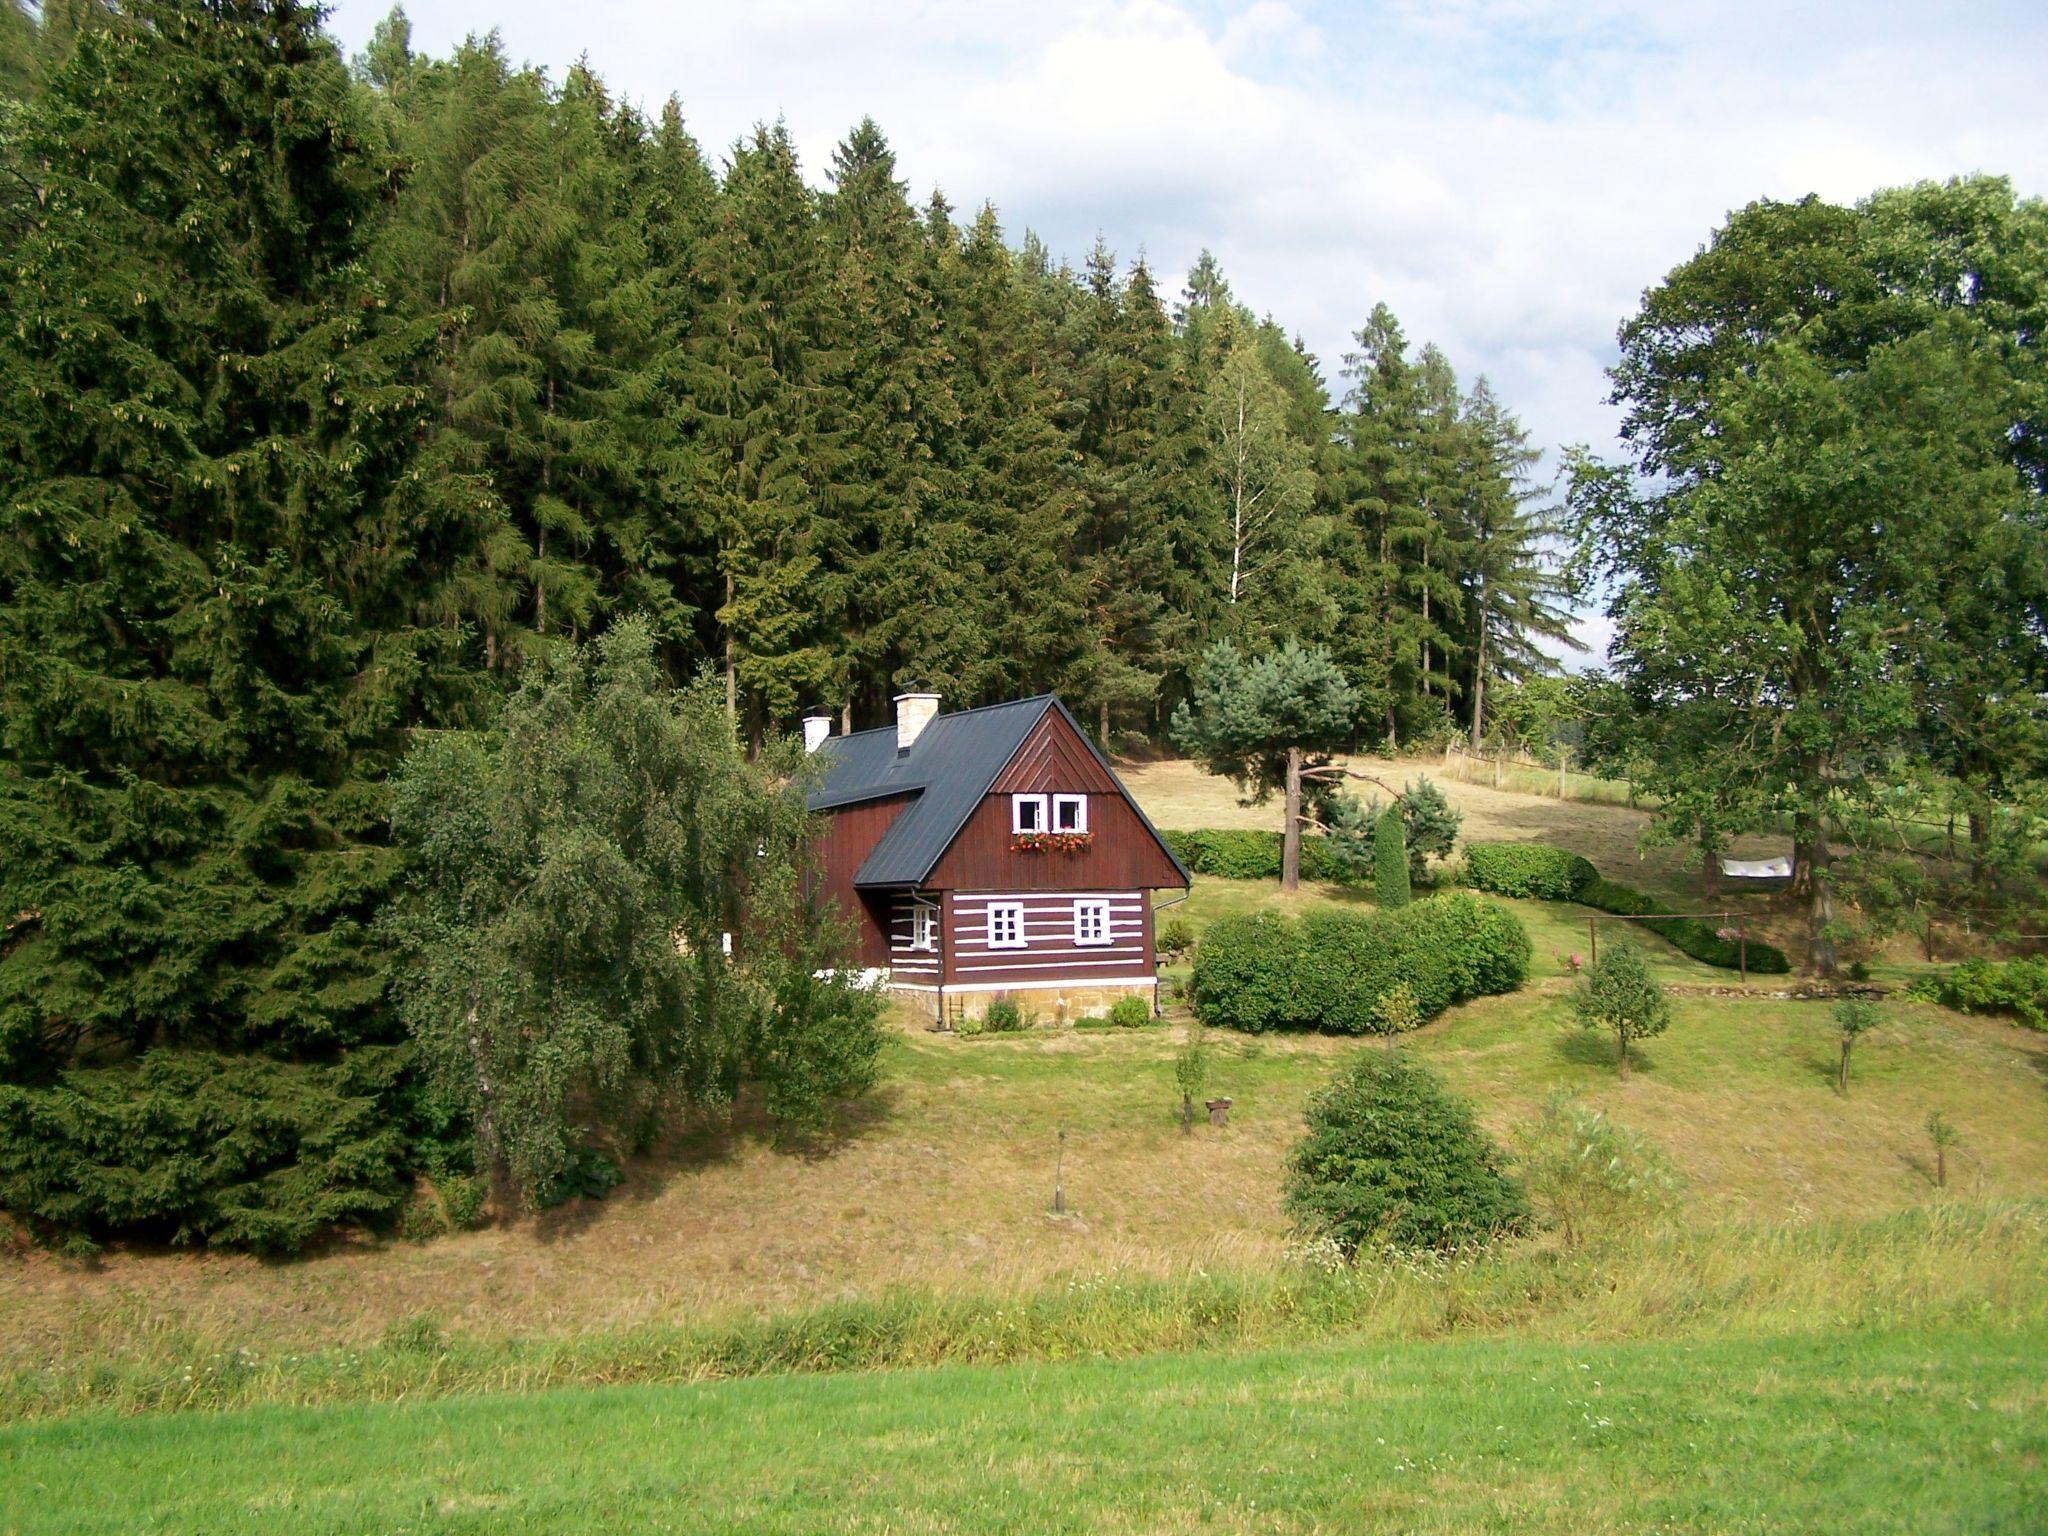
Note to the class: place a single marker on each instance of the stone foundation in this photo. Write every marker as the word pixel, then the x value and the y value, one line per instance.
pixel 1047 1004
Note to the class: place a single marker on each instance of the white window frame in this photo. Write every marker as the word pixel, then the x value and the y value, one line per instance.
pixel 924 926
pixel 1013 914
pixel 1080 805
pixel 1092 923
pixel 1037 803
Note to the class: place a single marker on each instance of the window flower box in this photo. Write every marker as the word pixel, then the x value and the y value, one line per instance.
pixel 1051 842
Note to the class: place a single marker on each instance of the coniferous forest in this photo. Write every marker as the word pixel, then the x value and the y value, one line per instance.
pixel 341 394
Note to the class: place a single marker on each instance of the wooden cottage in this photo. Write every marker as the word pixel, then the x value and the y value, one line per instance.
pixel 990 851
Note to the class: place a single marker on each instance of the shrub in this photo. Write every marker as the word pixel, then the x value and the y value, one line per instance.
pixel 1390 861
pixel 452 1203
pixel 1243 854
pixel 1329 969
pixel 1620 996
pixel 1531 870
pixel 1244 973
pixel 1686 934
pixel 2015 987
pixel 1393 1157
pixel 587 1175
pixel 1003 1016
pixel 1587 1175
pixel 1429 826
pixel 1395 1011
pixel 1176 939
pixel 464 1197
pixel 1130 1013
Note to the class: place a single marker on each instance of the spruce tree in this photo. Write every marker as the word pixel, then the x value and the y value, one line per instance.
pixel 225 596
pixel 1514 592
pixel 886 392
pixel 763 417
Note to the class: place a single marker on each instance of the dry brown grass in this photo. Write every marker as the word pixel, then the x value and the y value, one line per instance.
pixel 945 1183
pixel 1177 794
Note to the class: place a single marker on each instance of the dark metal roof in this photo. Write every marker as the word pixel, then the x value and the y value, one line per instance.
pixel 948 771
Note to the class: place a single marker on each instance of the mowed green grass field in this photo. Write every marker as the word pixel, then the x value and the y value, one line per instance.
pixel 1851 1432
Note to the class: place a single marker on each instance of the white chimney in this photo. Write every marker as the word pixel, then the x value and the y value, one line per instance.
pixel 816 729
pixel 914 712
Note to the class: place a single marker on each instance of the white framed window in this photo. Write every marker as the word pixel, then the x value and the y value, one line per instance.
pixel 1091 921
pixel 924 927
pixel 1070 813
pixel 1006 925
pixel 1027 813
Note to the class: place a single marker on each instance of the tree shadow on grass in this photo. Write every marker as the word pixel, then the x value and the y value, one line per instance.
pixel 710 1142
pixel 1592 1048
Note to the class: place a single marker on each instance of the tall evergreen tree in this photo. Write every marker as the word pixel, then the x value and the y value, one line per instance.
pixel 1514 589
pixel 223 599
pixel 763 413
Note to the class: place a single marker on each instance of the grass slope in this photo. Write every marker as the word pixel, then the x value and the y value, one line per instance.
pixel 1867 1432
pixel 943 1187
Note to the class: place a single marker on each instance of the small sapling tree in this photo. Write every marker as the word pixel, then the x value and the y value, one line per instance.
pixel 1943 1135
pixel 1854 1016
pixel 1390 860
pixel 1191 1074
pixel 1620 996
pixel 1587 1175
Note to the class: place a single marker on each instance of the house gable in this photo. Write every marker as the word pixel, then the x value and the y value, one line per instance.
pixel 1123 852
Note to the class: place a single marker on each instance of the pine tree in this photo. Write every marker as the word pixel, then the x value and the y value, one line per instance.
pixel 224 599
pixel 762 413
pixel 887 393
pixel 517 214
pixel 1005 611
pixel 1381 490
pixel 1513 592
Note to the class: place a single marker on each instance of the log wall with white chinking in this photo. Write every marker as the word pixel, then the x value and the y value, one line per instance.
pixel 909 965
pixel 1049 952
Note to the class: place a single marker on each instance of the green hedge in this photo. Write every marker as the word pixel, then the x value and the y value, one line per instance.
pixel 1255 855
pixel 1528 870
pixel 1328 970
pixel 1554 874
pixel 1689 934
pixel 2016 987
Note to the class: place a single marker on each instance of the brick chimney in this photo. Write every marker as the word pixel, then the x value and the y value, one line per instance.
pixel 914 711
pixel 816 729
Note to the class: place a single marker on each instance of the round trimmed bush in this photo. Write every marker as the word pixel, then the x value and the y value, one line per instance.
pixel 1393 1157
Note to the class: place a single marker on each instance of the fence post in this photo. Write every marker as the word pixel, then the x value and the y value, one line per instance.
pixel 1593 940
pixel 1742 946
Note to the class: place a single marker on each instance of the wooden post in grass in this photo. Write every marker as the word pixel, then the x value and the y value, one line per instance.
pixel 1742 946
pixel 1593 940
pixel 1059 1188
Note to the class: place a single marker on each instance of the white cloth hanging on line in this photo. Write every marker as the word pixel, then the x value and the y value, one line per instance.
pixel 1757 869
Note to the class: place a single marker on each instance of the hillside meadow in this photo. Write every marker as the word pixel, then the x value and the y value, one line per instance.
pixel 941 1186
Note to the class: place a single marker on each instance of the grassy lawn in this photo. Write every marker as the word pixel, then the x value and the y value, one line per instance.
pixel 1914 1431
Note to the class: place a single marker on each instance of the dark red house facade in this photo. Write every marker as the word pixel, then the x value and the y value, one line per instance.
pixel 990 851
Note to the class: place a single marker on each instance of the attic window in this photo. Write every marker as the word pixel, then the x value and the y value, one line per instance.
pixel 1070 813
pixel 1027 813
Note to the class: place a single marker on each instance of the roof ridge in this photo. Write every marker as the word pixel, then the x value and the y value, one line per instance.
pixel 955 714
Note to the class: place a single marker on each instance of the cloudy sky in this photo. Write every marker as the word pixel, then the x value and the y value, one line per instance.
pixel 1508 174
